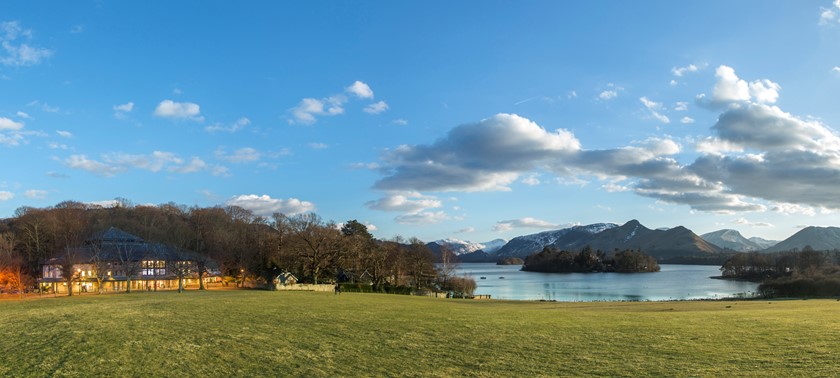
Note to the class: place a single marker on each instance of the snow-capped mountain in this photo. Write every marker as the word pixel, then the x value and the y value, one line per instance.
pixel 522 246
pixel 819 238
pixel 494 245
pixel 460 247
pixel 731 239
pixel 763 243
pixel 675 242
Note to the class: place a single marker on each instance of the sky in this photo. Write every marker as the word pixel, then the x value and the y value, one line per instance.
pixel 472 120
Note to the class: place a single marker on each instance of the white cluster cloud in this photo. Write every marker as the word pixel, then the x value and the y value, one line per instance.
pixel 414 206
pixel 114 163
pixel 794 209
pixel 11 132
pixel 360 90
pixel 679 71
pixel 608 94
pixel 758 157
pixel 266 206
pixel 370 226
pixel 179 110
pixel 7 124
pixel 423 217
pixel 6 195
pixel 17 53
pixel 731 89
pixel 309 109
pixel 829 15
pixel 482 156
pixel 527 222
pixel 236 126
pixel 404 202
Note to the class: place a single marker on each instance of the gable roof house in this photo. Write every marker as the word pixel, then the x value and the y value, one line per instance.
pixel 114 260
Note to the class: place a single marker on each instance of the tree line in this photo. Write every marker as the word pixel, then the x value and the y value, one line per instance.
pixel 245 246
pixel 587 260
pixel 788 274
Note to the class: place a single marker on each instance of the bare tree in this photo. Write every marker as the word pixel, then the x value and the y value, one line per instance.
pixel 421 263
pixel 448 265
pixel 317 243
pixel 33 235
pixel 129 257
pixel 101 263
pixel 13 275
pixel 179 264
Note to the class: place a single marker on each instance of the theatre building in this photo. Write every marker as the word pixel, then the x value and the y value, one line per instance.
pixel 114 260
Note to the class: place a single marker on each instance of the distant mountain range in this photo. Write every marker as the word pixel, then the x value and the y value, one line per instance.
pixel 665 244
pixel 522 246
pixel 661 243
pixel 733 240
pixel 819 238
pixel 463 247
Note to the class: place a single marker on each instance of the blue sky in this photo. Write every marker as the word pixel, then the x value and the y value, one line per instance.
pixel 472 120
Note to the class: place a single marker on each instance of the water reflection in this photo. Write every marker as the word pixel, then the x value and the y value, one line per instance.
pixel 673 282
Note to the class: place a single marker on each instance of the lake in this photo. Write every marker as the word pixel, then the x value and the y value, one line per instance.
pixel 673 282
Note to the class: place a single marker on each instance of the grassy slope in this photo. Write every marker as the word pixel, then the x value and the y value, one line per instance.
pixel 252 333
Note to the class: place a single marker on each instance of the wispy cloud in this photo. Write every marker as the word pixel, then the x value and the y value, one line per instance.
pixel 655 108
pixel 126 108
pixel 527 222
pixel 266 206
pixel 35 194
pixel 17 52
pixel 113 163
pixel 242 155
pixel 232 128
pixel 376 108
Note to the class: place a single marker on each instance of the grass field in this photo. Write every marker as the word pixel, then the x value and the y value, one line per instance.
pixel 255 333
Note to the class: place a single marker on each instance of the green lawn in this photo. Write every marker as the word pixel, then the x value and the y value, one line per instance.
pixel 256 333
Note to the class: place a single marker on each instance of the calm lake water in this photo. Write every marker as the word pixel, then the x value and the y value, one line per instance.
pixel 672 282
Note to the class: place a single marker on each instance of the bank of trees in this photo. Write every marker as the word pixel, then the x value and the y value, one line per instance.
pixel 249 249
pixel 788 274
pixel 588 260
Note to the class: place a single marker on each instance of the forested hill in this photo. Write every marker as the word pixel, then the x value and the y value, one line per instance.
pixel 589 261
pixel 243 244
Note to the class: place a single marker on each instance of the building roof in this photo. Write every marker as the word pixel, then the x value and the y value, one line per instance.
pixel 114 235
pixel 114 244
